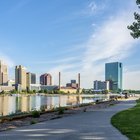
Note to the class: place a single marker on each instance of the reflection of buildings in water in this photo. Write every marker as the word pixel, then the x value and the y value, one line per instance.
pixel 87 99
pixel 43 102
pixel 62 100
pixel 25 104
pixel 55 101
pixel 1 105
pixel 38 102
pixel 79 99
pixel 71 100
pixel 32 103
pixel 5 105
pixel 35 102
pixel 49 106
pixel 12 104
pixel 18 103
pixel 52 102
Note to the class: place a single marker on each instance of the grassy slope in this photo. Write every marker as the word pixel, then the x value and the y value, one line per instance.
pixel 128 122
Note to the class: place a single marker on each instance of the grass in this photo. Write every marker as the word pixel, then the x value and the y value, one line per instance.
pixel 128 122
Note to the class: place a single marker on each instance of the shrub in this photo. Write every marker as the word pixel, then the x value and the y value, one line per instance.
pixel 33 122
pixel 35 114
pixel 42 109
pixel 61 110
pixel 85 109
pixel 97 101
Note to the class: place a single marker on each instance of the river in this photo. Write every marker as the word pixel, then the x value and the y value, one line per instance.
pixel 17 103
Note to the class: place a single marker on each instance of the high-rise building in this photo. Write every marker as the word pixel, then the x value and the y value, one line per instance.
pixel 20 76
pixel 101 85
pixel 3 73
pixel 30 79
pixel 113 73
pixel 46 79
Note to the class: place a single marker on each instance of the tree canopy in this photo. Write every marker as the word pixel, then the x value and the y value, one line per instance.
pixel 135 27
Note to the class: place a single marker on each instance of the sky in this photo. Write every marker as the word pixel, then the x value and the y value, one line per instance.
pixel 70 36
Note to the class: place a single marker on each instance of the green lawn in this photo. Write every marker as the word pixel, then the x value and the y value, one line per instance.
pixel 128 122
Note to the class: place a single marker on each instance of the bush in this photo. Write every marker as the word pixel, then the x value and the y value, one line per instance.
pixel 34 91
pixel 61 110
pixel 33 122
pixel 35 114
pixel 97 101
pixel 85 110
pixel 42 109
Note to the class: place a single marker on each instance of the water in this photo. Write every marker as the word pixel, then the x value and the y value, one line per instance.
pixel 25 103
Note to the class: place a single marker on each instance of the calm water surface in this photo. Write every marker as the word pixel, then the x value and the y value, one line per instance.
pixel 25 103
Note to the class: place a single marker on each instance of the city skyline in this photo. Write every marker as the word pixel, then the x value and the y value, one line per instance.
pixel 71 37
pixel 113 78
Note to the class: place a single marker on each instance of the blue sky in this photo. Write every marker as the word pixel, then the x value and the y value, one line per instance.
pixel 70 36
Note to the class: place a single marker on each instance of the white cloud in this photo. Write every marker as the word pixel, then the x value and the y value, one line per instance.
pixel 110 42
pixel 132 80
pixel 92 6
pixel 65 72
pixel 57 61
pixel 7 60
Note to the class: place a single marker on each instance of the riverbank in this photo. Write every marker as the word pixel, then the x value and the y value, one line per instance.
pixel 128 122
pixel 92 124
pixel 29 120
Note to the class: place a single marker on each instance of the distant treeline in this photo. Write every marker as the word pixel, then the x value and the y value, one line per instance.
pixel 132 91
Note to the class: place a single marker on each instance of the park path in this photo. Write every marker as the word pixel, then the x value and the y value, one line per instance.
pixel 90 125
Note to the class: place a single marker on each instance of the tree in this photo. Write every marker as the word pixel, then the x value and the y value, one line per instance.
pixel 2 92
pixel 105 91
pixel 135 27
pixel 45 91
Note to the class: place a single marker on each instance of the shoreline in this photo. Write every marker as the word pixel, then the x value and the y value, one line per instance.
pixel 51 115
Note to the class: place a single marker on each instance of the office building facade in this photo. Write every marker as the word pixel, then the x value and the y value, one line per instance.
pixel 73 84
pixel 113 73
pixel 46 79
pixel 20 76
pixel 3 73
pixel 30 79
pixel 101 85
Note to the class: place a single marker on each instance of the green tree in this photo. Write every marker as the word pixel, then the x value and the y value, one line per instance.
pixel 34 91
pixel 41 91
pixel 105 91
pixel 135 27
pixel 45 91
pixel 2 92
pixel 83 91
pixel 14 91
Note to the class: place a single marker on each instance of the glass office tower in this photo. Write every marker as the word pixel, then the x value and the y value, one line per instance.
pixel 113 73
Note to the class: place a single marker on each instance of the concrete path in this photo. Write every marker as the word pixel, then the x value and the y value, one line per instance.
pixel 90 125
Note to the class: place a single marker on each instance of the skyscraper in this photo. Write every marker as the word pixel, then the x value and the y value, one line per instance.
pixel 20 76
pixel 46 79
pixel 3 73
pixel 30 79
pixel 113 73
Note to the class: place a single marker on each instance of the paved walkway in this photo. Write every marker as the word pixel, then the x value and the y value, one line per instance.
pixel 91 125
